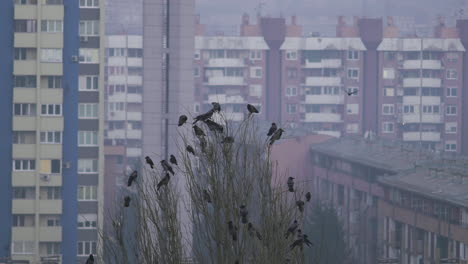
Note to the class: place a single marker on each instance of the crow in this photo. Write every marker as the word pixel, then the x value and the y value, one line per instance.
pixel 213 126
pixel 90 259
pixel 272 129
pixel 300 242
pixel 290 184
pixel 198 131
pixel 300 205
pixel 253 231
pixel 349 93
pixel 216 107
pixel 232 230
pixel 164 181
pixel 204 116
pixel 132 178
pixel 182 120
pixel 166 166
pixel 149 161
pixel 252 109
pixel 203 144
pixel 190 150
pixel 276 136
pixel 173 160
pixel 308 196
pixel 206 196
pixel 127 200
pixel 244 213
pixel 292 228
pixel 228 140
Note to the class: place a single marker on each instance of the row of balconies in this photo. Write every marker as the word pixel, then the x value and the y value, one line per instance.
pixel 46 233
pixel 28 178
pixel 30 11
pixel 421 64
pixel 120 134
pixel 28 123
pixel 45 150
pixel 423 136
pixel 225 80
pixel 122 79
pixel 125 97
pixel 29 67
pixel 28 95
pixel 23 206
pixel 124 61
pixel 123 115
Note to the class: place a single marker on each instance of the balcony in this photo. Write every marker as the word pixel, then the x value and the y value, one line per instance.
pixel 225 99
pixel 50 234
pixel 53 12
pixel 52 95
pixel 116 134
pixel 322 117
pixel 25 233
pixel 134 116
pixel 425 136
pixel 134 80
pixel 323 81
pixel 416 100
pixel 134 134
pixel 25 11
pixel 329 133
pixel 133 152
pixel 25 95
pixel 135 62
pixel 53 123
pixel 51 40
pixel 426 118
pixel 23 206
pixel 25 40
pixel 51 68
pixel 426 64
pixel 51 151
pixel 325 63
pixel 23 178
pixel 128 97
pixel 226 80
pixel 225 62
pixel 50 179
pixel 21 123
pixel 426 82
pixel 324 99
pixel 50 206
pixel 116 115
pixel 24 150
pixel 24 67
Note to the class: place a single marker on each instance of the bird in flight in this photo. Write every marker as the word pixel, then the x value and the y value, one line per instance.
pixel 149 161
pixel 349 92
pixel 272 129
pixel 182 120
pixel 173 160
pixel 132 178
pixel 302 239
pixel 253 231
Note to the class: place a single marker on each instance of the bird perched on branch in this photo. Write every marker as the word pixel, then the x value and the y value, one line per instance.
pixel 253 231
pixel 203 117
pixel 206 196
pixel 276 136
pixel 190 149
pixel 252 109
pixel 291 229
pixel 300 205
pixel 216 107
pixel 213 126
pixel 164 180
pixel 182 120
pixel 290 184
pixel 300 242
pixel 308 196
pixel 232 230
pixel 228 140
pixel 272 129
pixel 149 161
pixel 173 160
pixel 90 259
pixel 198 131
pixel 244 213
pixel 166 166
pixel 127 200
pixel 132 178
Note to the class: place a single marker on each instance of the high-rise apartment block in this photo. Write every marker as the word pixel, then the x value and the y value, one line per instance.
pixel 51 134
pixel 399 87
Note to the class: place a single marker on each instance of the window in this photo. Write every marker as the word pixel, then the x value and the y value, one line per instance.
pixel 352 109
pixel 88 111
pixel 51 55
pixel 50 220
pixel 52 26
pixel 291 91
pixel 239 72
pixel 353 55
pixel 388 73
pixel 51 109
pixel 426 91
pixel 388 109
pixel 50 166
pixel 452 92
pixel 312 108
pixel 24 193
pixel 116 106
pixel 196 71
pixel 51 193
pixel 255 90
pixel 291 73
pixel 87 138
pixel 54 2
pixel 197 54
pixel 451 110
pixel 24 137
pixel 135 53
pixel 88 83
pixel 18 220
pixel 25 81
pixel 25 2
pixel 54 82
pixel 389 55
pixel 452 74
pixel 353 73
pixel 22 247
pixel 87 193
pixel 255 72
pixel 87 221
pixel 85 248
pixel 51 137
pixel 389 91
pixel 291 55
pixel 89 3
pixel 354 91
pixel 89 55
pixel 24 109
pixel 24 165
pixel 352 128
pixel 387 127
pixel 20 53
pixel 452 57
pixel 25 26
pixel 255 54
pixel 410 91
pixel 291 108
pixel 451 127
pixel 450 146
pixel 429 109
pixel 408 109
pixel 53 248
pixel 331 90
pixel 89 28
pixel 87 166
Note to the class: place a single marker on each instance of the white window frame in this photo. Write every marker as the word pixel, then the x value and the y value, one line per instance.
pixel 89 56
pixel 451 74
pixel 86 3
pixel 89 28
pixel 350 73
pixel 450 92
pixel 197 54
pixel 255 54
pixel 451 127
pixel 54 112
pixel 87 221
pixel 196 71
pixel 388 73
pixel 450 146
pixel 411 109
pixel 25 164
pixel 353 55
pixel 88 138
pixel 291 108
pixel 50 137
pixel 254 71
pixel 88 166
pixel 386 126
pixel 451 107
pixel 291 91
pixel 89 83
pixel 52 26
pixel 87 193
pixel 291 55
pixel 51 55
pixel 88 111
pixel 23 245
pixel 352 109
pixel 352 128
pixel 390 109
pixel 90 245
